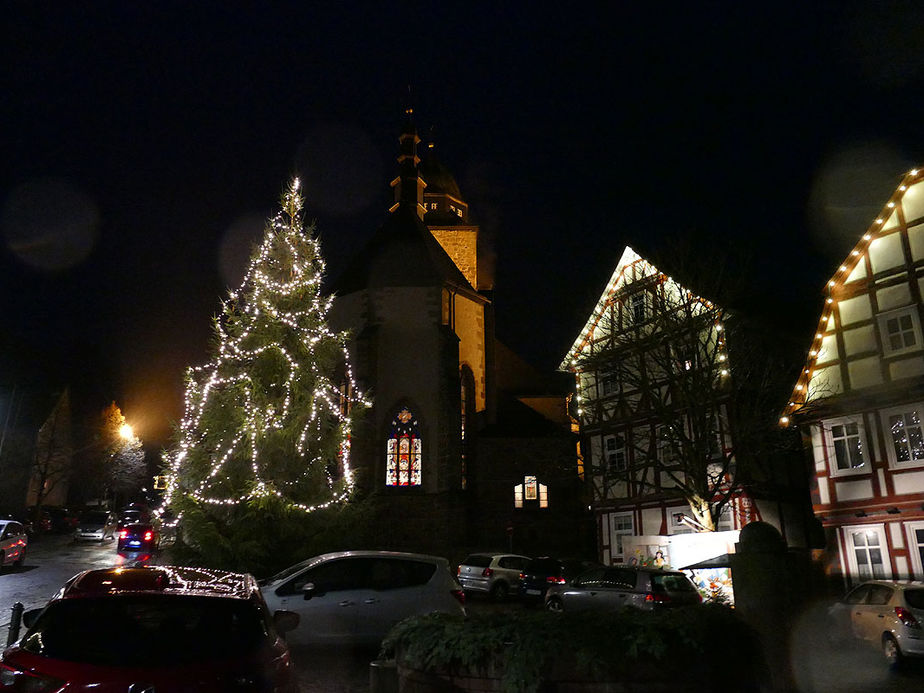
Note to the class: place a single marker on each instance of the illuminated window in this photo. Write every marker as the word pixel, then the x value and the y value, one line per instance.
pixel 907 436
pixel 530 493
pixel 403 451
pixel 867 551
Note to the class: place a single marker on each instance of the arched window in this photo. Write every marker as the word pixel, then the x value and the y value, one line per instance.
pixel 402 459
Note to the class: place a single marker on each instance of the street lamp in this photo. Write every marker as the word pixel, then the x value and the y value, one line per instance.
pixel 126 432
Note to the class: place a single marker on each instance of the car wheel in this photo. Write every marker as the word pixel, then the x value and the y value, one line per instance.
pixel 500 592
pixel 22 559
pixel 554 605
pixel 892 651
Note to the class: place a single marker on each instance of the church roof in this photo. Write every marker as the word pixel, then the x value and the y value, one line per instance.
pixel 403 252
pixel 437 177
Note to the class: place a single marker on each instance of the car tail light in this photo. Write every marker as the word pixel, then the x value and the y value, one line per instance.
pixel 487 572
pixel 906 617
pixel 16 680
pixel 148 536
pixel 459 595
pixel 555 580
pixel 123 534
pixel 655 598
pixel 522 576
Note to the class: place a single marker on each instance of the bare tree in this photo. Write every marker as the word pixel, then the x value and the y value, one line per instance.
pixel 686 396
pixel 53 451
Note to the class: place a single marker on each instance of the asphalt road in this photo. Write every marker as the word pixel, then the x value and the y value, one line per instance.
pixel 817 666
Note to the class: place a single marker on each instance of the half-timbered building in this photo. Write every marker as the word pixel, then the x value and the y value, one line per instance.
pixel 860 398
pixel 650 368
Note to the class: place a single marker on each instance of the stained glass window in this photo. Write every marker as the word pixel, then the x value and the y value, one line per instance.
pixel 403 451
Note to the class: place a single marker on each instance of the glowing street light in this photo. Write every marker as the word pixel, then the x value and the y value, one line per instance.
pixel 126 432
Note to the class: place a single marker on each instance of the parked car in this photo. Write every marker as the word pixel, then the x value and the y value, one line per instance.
pixel 138 537
pixel 615 587
pixel 541 573
pixel 13 543
pixel 495 574
pixel 146 629
pixel 96 525
pixel 888 615
pixel 40 524
pixel 355 597
pixel 63 520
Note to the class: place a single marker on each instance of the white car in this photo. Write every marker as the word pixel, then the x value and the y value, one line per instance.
pixel 355 597
pixel 495 574
pixel 888 615
pixel 13 542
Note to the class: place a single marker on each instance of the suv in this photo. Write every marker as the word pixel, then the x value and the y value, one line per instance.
pixel 495 574
pixel 160 628
pixel 615 587
pixel 541 573
pixel 355 597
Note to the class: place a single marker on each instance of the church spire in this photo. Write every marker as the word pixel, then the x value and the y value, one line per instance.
pixel 408 185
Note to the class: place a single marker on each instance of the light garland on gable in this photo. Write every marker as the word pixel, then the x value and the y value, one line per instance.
pixel 826 326
pixel 264 419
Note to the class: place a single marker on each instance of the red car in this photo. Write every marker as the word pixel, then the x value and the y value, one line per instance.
pixel 153 629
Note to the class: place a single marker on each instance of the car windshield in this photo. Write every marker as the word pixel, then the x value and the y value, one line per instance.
pixel 915 598
pixel 142 630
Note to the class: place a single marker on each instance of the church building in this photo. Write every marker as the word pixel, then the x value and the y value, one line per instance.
pixel 417 300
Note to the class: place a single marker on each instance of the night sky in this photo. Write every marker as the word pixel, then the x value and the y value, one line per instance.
pixel 144 143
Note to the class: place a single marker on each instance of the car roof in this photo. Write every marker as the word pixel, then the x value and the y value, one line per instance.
pixel 497 554
pixel 175 580
pixel 359 554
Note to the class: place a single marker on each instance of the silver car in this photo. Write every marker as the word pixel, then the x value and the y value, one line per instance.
pixel 95 525
pixel 495 574
pixel 615 587
pixel 355 597
pixel 886 614
pixel 13 542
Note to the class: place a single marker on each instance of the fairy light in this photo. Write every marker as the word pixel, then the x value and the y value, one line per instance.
pixel 802 389
pixel 277 315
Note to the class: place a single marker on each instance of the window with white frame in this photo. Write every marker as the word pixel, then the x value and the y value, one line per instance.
pixel 901 330
pixel 867 553
pixel 916 547
pixel 621 526
pixel 615 452
pixel 846 446
pixel 905 435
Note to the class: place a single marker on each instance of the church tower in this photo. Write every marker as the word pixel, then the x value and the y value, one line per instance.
pixel 411 300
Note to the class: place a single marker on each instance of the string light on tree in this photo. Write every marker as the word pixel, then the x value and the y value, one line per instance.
pixel 269 417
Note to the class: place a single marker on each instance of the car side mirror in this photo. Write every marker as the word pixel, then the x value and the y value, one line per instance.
pixel 284 621
pixel 309 590
pixel 30 617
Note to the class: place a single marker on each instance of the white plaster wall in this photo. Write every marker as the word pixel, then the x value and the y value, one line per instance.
pixel 857 273
pixel 891 222
pixel 825 382
pixel 818 451
pixel 860 340
pixel 895 531
pixel 828 350
pixel 885 253
pixel 824 494
pixel 651 521
pixel 893 297
pixel 913 202
pixel 906 368
pixel 916 241
pixel 855 309
pixel 864 373
pixel 860 489
pixel 908 482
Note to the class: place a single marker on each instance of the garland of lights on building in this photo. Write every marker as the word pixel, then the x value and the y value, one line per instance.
pixel 277 321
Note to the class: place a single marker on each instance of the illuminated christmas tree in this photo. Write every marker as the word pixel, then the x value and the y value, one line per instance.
pixel 267 420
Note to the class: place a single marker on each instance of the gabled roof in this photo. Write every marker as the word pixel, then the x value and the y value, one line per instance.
pixel 631 268
pixel 904 211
